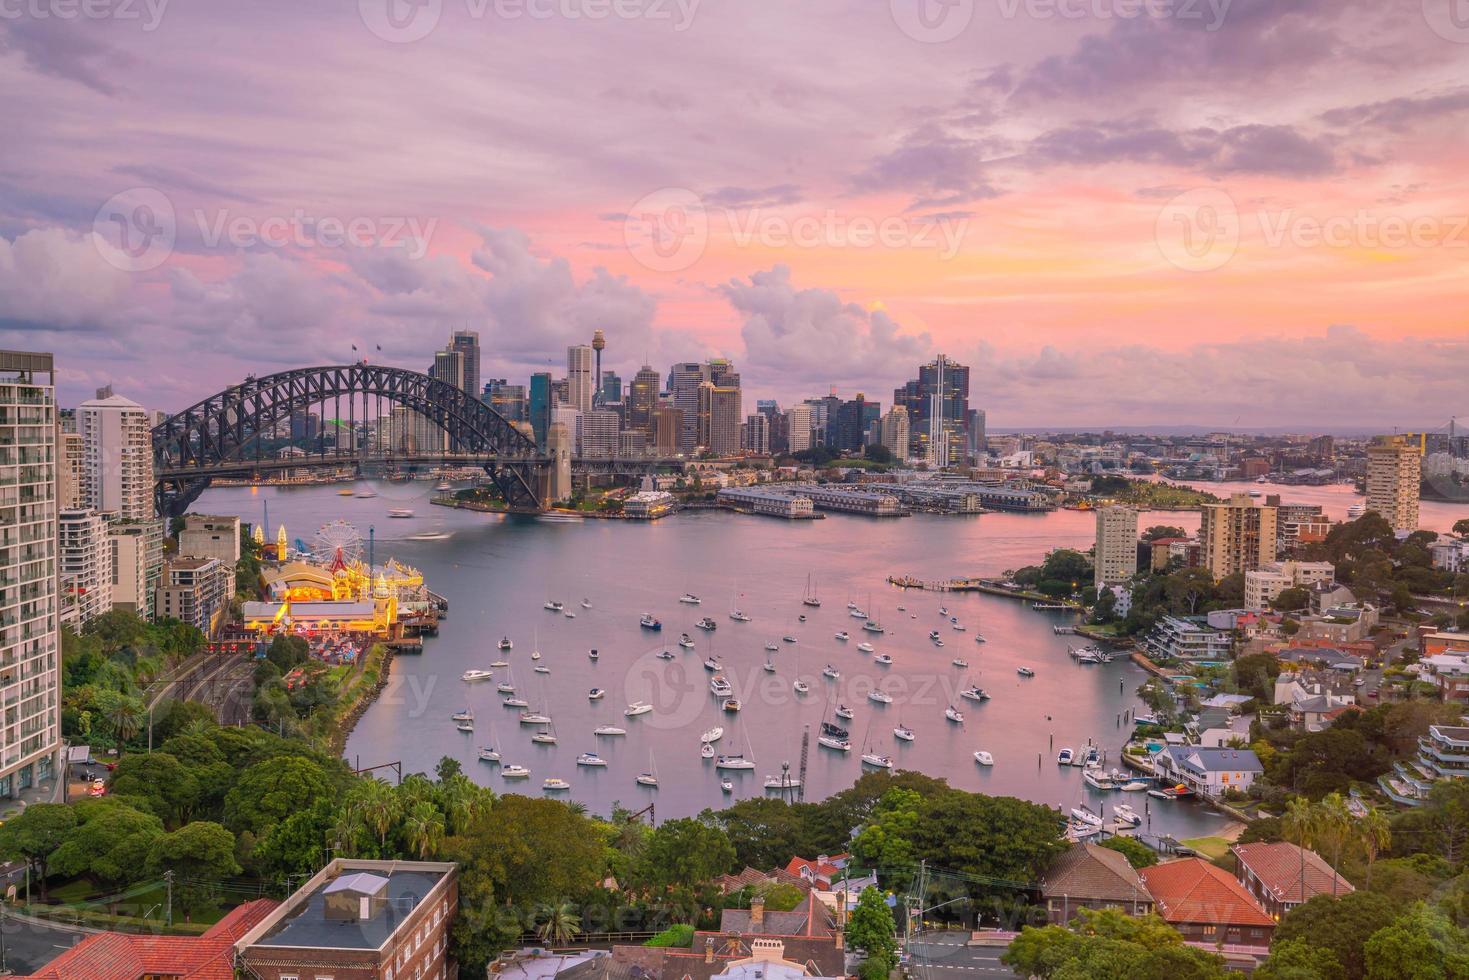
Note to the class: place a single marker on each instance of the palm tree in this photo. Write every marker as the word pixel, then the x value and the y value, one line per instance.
pixel 1375 835
pixel 559 923
pixel 423 829
pixel 1333 828
pixel 1299 821
pixel 125 717
pixel 379 807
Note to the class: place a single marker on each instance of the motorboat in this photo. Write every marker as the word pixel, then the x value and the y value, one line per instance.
pixel 488 753
pixel 739 617
pixel 1024 671
pixel 514 772
pixel 789 638
pixel 1125 814
pixel 884 659
pixel 499 663
pixel 505 643
pixel 771 647
pixel 1134 785
pixel 712 735
pixel 979 638
pixel 856 613
pixel 984 758
pixel 959 662
pixel 732 705
pixel 591 759
pixel 649 623
pixel 465 726
pixel 957 627
pixel 801 687
pixel 1064 757
pixel 664 655
pixel 516 703
pixel 719 687
pixel 865 647
pixel 569 614
pixel 555 785
pixel 782 782
pixel 430 536
pixel 596 694
pixel 535 655
pixel 542 669
pixel 876 760
pixel 400 512
pixel 345 492
pixel 831 672
pixel 553 605
pixel 707 624
pixel 543 738
pixel 690 598
pixel 974 694
pixel 608 731
pixel 954 714
pixel 881 697
pixel 904 733
pixel 686 641
pixel 706 751
pixel 842 711
pixel 463 714
pixel 802 617
pixel 934 636
pixel 637 708
pixel 476 674
pixel 593 655
pixel 586 603
pixel 768 667
pixel 733 762
pixel 534 718
pixel 711 663
pixel 726 785
pixel 844 637
pixel 943 610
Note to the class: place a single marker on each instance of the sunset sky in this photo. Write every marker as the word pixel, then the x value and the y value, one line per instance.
pixel 1117 212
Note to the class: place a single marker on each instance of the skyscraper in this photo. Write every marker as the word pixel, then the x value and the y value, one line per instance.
pixel 539 406
pixel 667 430
pixel 1237 536
pixel 507 399
pixel 938 411
pixel 581 383
pixel 684 380
pixel 642 397
pixel 117 456
pixel 1116 556
pixel 719 419
pixel 609 388
pixel 757 433
pixel 894 432
pixel 1394 476
pixel 799 427
pixel 30 647
pixel 466 342
pixel 449 367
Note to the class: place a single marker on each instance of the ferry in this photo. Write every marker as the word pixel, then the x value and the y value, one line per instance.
pixel 591 759
pixel 733 762
pixel 690 598
pixel 514 772
pixel 608 731
pixel 954 714
pixel 881 697
pixel 596 694
pixel 430 536
pixel 475 675
pixel 877 761
pixel 707 624
pixel 842 711
pixel 400 512
pixel 649 623
pixel 555 785
pixel 637 708
pixel 984 758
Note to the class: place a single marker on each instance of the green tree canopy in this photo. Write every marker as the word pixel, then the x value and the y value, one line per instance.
pixel 1421 945
pixel 1339 925
pixel 198 854
pixel 35 835
pixel 111 843
pixel 268 792
pixel 1109 945
pixel 1138 854
pixel 870 928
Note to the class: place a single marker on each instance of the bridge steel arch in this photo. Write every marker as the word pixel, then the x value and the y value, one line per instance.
pixel 198 443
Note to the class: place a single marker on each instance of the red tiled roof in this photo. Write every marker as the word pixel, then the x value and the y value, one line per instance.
pixel 1280 868
pixel 799 865
pixel 121 956
pixel 1193 890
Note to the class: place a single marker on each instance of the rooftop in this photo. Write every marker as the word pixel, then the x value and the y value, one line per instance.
pixel 304 923
pixel 1290 873
pixel 1193 890
pixel 1088 871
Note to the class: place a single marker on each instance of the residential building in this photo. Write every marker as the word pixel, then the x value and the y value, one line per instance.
pixel 1237 536
pixel 85 556
pixel 137 563
pixel 30 649
pixel 210 536
pixel 800 427
pixel 117 464
pixel 895 435
pixel 1116 550
pixel 1264 584
pixel 1451 554
pixel 1281 876
pixel 196 591
pixel 70 460
pixel 581 383
pixel 642 398
pixel 1449 672
pixel 355 920
pixel 128 956
pixel 1394 474
pixel 684 381
pixel 719 419
pixel 1207 905
pixel 1091 877
pixel 1208 771
pixel 756 434
pixel 1192 639
pixel 600 429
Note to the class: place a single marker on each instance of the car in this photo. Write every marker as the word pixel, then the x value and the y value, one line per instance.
pixel 1372 693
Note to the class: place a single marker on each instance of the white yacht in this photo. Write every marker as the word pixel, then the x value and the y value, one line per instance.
pixel 801 687
pixel 555 785
pixel 712 735
pixel 959 662
pixel 881 697
pixel 514 772
pixel 733 762
pixel 782 782
pixel 499 663
pixel 544 737
pixel 974 694
pixel 690 599
pixel 720 687
pixel 954 714
pixel 534 718
pixel 883 659
pixel 706 751
pixel 637 708
pixel 771 647
pixel 463 714
pixel 553 605
pixel 739 617
pixel 591 759
pixel 475 674
pixel 542 669
pixel 877 760
pixel 984 758
pixel 516 703
pixel 1125 814
pixel 865 647
pixel 488 753
pixel 596 694
pixel 608 731
pixel 834 742
pixel 903 732
pixel 686 641
pixel 844 637
pixel 831 672
pixel 842 711
pixel 505 643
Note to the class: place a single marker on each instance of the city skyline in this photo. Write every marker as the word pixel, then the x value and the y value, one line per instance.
pixel 1025 225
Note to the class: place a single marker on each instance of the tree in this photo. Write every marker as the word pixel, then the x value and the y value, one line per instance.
pixel 198 854
pixel 1340 925
pixel 1187 588
pixel 988 836
pixel 35 835
pixel 1296 959
pixel 423 829
pixel 298 844
pixel 1422 945
pixel 1109 944
pixel 1138 854
pixel 870 929
pixel 268 792
pixel 684 852
pixel 1163 531
pixel 287 652
pixel 168 786
pixel 1374 833
pixel 111 843
pixel 1461 528
pixel 1334 828
pixel 558 923
pixel 125 718
pixel 1292 599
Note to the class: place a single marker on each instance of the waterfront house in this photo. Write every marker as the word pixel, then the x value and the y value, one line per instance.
pixel 1442 754
pixel 1207 905
pixel 1191 639
pixel 1281 875
pixel 1092 877
pixel 1208 771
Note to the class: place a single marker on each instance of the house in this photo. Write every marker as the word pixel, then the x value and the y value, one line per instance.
pixel 1208 771
pixel 1177 638
pixel 755 878
pixel 1449 673
pixel 1315 698
pixel 1207 905
pixel 1281 875
pixel 820 872
pixel 810 918
pixel 1328 595
pixel 1093 877
pixel 123 956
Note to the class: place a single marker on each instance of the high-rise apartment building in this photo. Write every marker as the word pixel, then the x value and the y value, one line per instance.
pixel 1394 475
pixel 581 381
pixel 210 536
pixel 117 456
pixel 642 398
pixel 599 433
pixel 667 430
pixel 1237 536
pixel 69 460
pixel 800 427
pixel 30 646
pixel 466 342
pixel 719 419
pixel 1116 555
pixel 85 560
pixel 756 435
pixel 196 591
pixel 893 434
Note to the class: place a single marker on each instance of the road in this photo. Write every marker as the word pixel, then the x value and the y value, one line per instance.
pixel 29 946
pixel 947 956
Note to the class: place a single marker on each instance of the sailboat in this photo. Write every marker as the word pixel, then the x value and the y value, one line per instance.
pixel 535 650
pixel 735 613
pixel 649 778
pixel 810 598
pixel 873 625
pixel 834 737
pixel 871 757
pixel 738 761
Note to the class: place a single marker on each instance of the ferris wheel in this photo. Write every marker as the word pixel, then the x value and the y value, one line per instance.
pixel 334 539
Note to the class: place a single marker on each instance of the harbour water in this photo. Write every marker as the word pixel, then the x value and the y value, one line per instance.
pixel 498 573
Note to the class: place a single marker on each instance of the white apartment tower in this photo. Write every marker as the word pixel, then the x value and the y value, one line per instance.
pixel 581 377
pixel 86 566
pixel 1394 474
pixel 30 653
pixel 117 482
pixel 1116 558
pixel 894 432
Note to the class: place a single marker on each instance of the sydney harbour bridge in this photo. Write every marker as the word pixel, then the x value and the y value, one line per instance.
pixel 224 435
